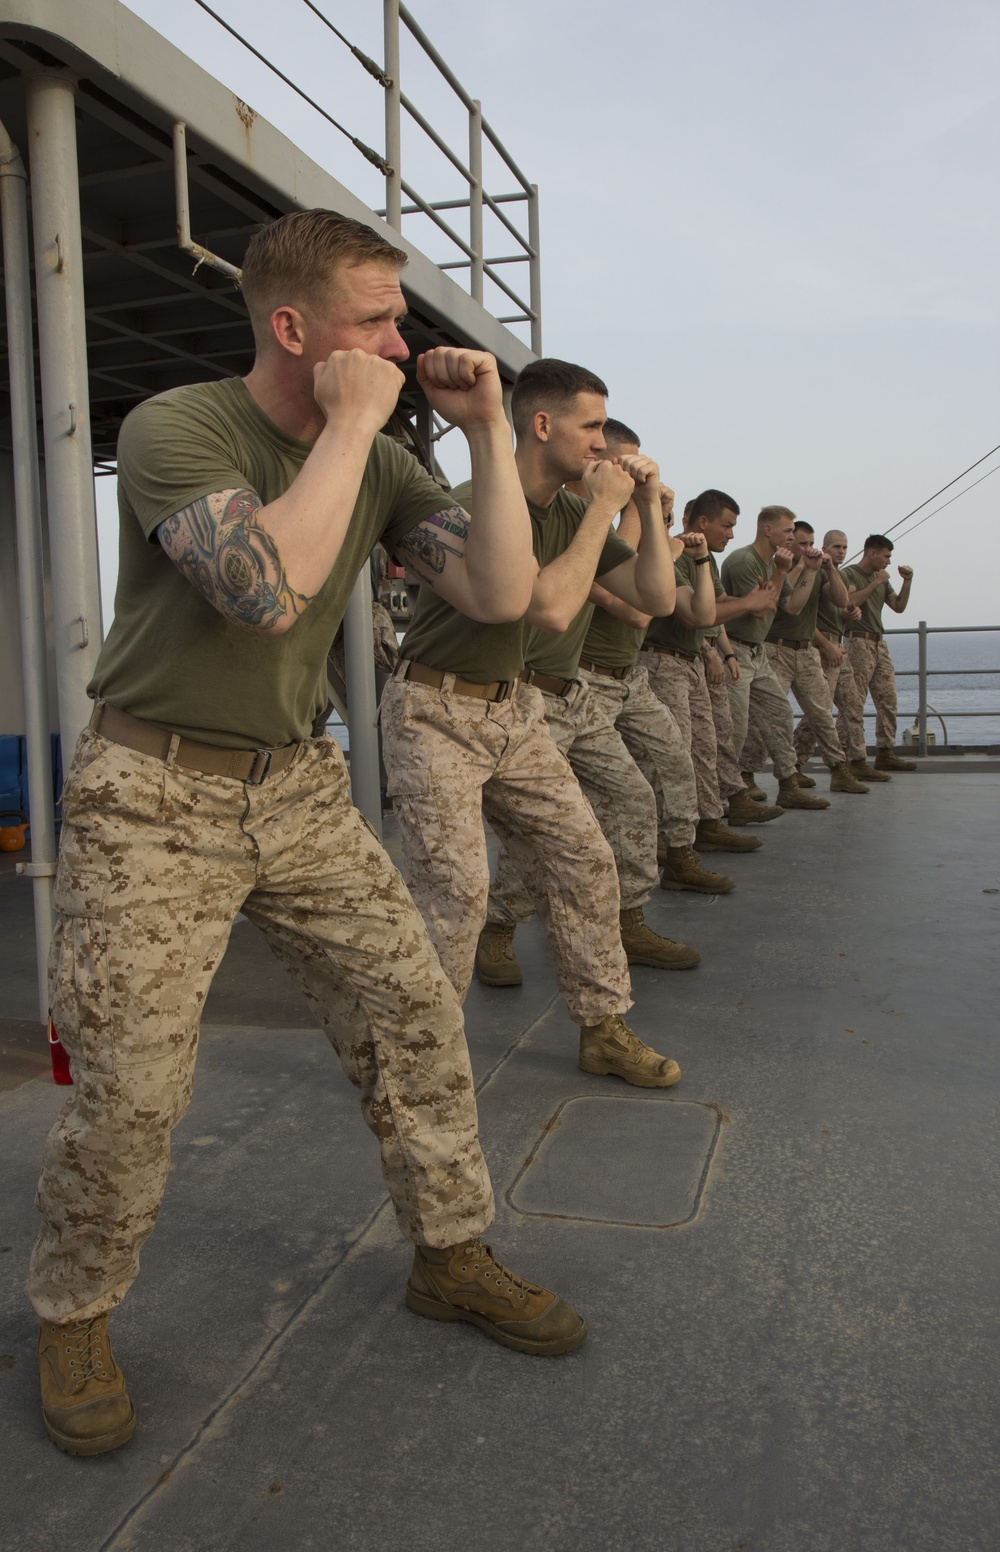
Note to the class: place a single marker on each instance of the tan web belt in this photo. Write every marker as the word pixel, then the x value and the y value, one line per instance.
pixel 249 765
pixel 602 668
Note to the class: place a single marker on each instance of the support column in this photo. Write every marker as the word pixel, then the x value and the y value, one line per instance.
pixel 359 671
pixel 28 521
pixel 62 338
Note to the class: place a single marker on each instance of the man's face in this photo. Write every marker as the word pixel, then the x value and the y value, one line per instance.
pixel 801 541
pixel 836 548
pixel 717 530
pixel 576 434
pixel 780 531
pixel 879 557
pixel 363 312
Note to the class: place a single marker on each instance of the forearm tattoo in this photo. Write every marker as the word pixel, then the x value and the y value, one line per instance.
pixel 221 546
pixel 426 550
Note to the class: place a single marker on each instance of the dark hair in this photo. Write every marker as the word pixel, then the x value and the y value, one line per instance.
pixel 878 542
pixel 711 503
pixel 617 431
pixel 549 384
pixel 801 523
pixel 293 259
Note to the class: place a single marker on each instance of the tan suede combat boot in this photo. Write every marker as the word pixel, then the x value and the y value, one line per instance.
pixel 757 793
pixel 843 779
pixel 713 835
pixel 866 772
pixel 886 760
pixel 803 780
pixel 467 1282
pixel 682 870
pixel 496 962
pixel 85 1406
pixel 643 946
pixel 611 1049
pixel 742 810
pixel 790 795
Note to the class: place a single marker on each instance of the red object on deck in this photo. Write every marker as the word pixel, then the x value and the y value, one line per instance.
pixel 60 1060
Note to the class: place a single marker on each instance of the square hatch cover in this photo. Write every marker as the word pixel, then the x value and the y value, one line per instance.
pixel 626 1160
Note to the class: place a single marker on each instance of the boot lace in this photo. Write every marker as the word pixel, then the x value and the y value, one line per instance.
pixel 480 1256
pixel 86 1352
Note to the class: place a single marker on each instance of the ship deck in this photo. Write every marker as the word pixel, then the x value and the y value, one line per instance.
pixel 789 1263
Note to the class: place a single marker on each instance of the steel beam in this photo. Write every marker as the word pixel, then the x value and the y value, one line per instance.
pixel 62 339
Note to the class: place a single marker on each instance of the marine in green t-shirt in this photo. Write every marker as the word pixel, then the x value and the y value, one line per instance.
pixel 856 577
pixel 669 630
pixel 741 572
pixel 800 627
pixel 171 657
pixel 440 637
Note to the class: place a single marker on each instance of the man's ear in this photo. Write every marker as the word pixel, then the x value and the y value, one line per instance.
pixel 288 328
pixel 542 425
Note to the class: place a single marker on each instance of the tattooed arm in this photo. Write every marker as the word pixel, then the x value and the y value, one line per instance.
pixel 220 544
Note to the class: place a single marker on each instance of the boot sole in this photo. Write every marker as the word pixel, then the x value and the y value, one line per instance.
pixel 752 845
pixel 699 889
pixel 808 808
pixel 851 792
pixel 98 1446
pixel 496 980
pixel 436 1309
pixel 637 1080
pixel 662 964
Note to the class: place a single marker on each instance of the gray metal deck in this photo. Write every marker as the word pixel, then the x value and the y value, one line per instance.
pixel 808 1364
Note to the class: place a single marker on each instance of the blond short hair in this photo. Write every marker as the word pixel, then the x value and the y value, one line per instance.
pixel 294 259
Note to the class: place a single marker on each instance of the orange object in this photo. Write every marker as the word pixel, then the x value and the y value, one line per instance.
pixel 12 837
pixel 60 1060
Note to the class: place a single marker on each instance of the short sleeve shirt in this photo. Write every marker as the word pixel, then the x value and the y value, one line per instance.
pixel 741 571
pixel 802 626
pixel 443 638
pixel 611 642
pixel 171 657
pixel 871 609
pixel 829 618
pixel 667 630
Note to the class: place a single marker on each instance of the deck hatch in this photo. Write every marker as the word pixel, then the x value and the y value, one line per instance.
pixel 620 1159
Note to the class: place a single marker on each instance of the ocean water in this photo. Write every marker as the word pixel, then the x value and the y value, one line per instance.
pixel 960 689
pixel 954 689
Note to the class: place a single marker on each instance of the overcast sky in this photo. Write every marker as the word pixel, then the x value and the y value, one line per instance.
pixel 770 225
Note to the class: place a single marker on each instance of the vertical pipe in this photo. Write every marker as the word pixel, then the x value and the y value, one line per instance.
pixel 922 686
pixel 476 200
pixel 535 272
pixel 28 521
pixel 359 670
pixel 62 339
pixel 393 141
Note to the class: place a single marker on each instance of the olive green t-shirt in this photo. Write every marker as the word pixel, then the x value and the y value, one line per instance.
pixel 829 618
pixel 800 627
pixel 741 572
pixel 871 609
pixel 667 630
pixel 443 638
pixel 170 657
pixel 610 641
pixel 559 654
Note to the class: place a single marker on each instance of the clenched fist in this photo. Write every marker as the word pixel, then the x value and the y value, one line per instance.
pixel 351 383
pixel 462 386
pixel 609 484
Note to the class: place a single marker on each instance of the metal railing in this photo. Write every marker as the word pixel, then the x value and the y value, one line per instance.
pixel 396 185
pixel 478 199
pixel 922 673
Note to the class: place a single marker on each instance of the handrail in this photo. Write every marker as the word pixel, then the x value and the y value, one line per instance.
pixel 922 673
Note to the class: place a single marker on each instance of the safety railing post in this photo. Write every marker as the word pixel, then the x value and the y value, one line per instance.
pixel 534 272
pixel 922 686
pixel 476 200
pixel 393 138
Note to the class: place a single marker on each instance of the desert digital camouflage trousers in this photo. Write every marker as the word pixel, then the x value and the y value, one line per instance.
pixel 867 671
pixel 727 767
pixel 653 737
pixel 680 683
pixel 155 862
pixel 805 735
pixel 451 758
pixel 621 798
pixel 800 671
pixel 759 694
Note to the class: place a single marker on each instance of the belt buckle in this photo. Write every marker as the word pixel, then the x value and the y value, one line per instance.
pixel 258 771
pixel 505 689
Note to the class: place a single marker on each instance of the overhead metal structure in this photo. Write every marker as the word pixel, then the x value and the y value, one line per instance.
pixel 115 123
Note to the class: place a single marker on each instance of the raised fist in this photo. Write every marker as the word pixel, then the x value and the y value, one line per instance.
pixel 784 559
pixel 906 572
pixel 608 483
pixel 351 382
pixel 695 545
